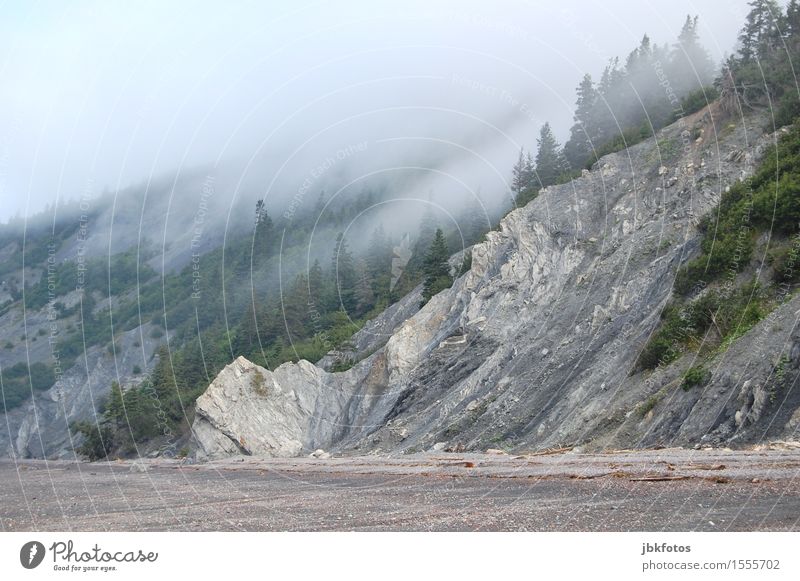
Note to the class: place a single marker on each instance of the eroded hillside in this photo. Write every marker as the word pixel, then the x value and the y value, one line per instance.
pixel 537 345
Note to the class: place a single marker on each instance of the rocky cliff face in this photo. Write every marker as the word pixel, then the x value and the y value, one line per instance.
pixel 535 346
pixel 40 428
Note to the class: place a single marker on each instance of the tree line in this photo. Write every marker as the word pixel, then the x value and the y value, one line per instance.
pixel 314 313
pixel 630 102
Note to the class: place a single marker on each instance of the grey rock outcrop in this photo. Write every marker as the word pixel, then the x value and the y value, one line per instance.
pixel 40 428
pixel 535 346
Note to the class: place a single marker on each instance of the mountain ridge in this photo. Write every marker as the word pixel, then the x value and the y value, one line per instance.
pixel 536 345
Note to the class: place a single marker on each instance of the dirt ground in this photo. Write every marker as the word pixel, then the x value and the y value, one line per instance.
pixel 670 489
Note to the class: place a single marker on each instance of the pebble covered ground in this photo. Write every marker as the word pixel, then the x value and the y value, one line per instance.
pixel 653 490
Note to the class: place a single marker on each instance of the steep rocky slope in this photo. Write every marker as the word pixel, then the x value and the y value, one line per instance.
pixel 40 428
pixel 536 345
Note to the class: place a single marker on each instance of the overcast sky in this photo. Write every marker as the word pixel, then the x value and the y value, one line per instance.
pixel 102 95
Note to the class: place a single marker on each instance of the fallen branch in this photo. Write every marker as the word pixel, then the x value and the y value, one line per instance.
pixel 550 451
pixel 658 478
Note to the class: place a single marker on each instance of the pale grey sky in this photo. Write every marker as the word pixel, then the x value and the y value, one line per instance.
pixel 98 94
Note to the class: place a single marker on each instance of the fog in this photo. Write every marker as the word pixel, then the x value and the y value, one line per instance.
pixel 284 99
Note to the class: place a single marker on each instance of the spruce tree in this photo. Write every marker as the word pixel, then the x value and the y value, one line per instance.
pixel 436 267
pixel 263 235
pixel 549 163
pixel 364 293
pixel 295 308
pixel 760 33
pixel 519 178
pixel 344 276
pixel 691 67
pixel 316 286
pixel 379 264
pixel 114 409
pixel 582 134
pixel 473 223
pixel 792 23
pixel 529 173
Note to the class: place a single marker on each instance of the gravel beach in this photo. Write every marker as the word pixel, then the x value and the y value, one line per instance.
pixel 654 490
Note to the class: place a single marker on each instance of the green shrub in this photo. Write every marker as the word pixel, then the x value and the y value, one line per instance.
pixel 785 262
pixel 694 376
pixel 97 440
pixel 19 381
pixel 728 315
pixel 698 99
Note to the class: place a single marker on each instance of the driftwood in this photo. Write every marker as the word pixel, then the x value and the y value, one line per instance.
pixel 550 451
pixel 658 478
pixel 705 467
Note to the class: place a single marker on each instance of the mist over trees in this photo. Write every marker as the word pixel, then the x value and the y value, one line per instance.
pixel 255 308
pixel 630 102
pixel 761 72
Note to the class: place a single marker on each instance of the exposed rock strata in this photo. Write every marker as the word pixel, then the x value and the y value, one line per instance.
pixel 534 347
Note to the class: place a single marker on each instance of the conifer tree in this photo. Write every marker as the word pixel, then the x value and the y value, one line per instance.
pixel 519 177
pixel 582 134
pixel 760 34
pixel 115 410
pixel 379 263
pixel 263 235
pixel 691 67
pixel 436 267
pixel 549 163
pixel 364 294
pixel 344 276
pixel 295 308
pixel 316 286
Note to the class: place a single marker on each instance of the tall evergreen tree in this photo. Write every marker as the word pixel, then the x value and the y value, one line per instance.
pixel 344 276
pixel 582 134
pixel 760 34
pixel 115 410
pixel 295 308
pixel 428 225
pixel 473 222
pixel 529 172
pixel 364 293
pixel 791 27
pixel 549 161
pixel 163 376
pixel 316 286
pixel 263 236
pixel 246 339
pixel 519 179
pixel 690 65
pixel 436 267
pixel 379 263
pixel 610 91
